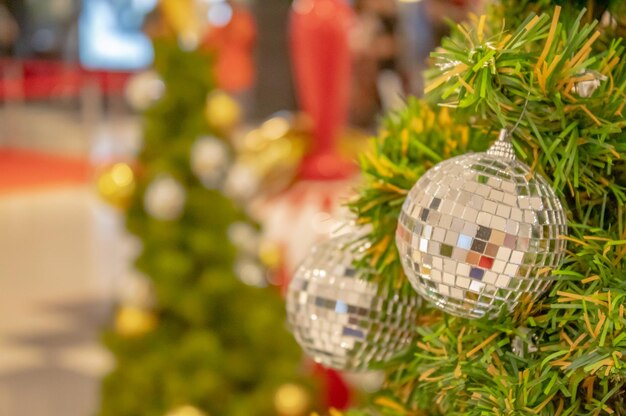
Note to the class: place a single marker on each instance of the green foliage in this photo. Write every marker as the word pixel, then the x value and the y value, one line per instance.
pixel 514 10
pixel 219 344
pixel 412 142
pixel 490 78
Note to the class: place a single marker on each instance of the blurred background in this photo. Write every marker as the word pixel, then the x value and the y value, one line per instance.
pixel 75 80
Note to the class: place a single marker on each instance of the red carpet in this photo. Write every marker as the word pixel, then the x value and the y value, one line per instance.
pixel 23 170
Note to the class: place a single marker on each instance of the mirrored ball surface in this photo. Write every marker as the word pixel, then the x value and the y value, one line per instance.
pixel 478 232
pixel 340 320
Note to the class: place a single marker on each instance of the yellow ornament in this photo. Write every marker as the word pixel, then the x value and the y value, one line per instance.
pixel 274 151
pixel 116 185
pixel 186 411
pixel 332 412
pixel 270 254
pixel 222 112
pixel 291 400
pixel 131 321
pixel 181 17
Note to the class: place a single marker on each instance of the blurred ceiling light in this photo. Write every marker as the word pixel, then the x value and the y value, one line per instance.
pixel 145 6
pixel 220 13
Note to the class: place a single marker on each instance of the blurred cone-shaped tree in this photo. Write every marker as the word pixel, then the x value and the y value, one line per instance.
pixel 210 342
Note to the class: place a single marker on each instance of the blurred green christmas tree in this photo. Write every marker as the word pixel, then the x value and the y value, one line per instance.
pixel 210 344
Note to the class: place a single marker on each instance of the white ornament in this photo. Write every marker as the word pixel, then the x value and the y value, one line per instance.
pixel 137 291
pixel 209 161
pixel 144 89
pixel 250 272
pixel 165 198
pixel 242 182
pixel 245 237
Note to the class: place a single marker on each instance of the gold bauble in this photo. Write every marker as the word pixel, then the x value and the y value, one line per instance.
pixel 274 151
pixel 116 185
pixel 291 400
pixel 131 321
pixel 270 254
pixel 186 411
pixel 222 111
pixel 180 15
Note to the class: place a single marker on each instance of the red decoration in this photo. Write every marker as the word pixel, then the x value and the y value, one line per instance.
pixel 40 80
pixel 233 45
pixel 337 394
pixel 321 60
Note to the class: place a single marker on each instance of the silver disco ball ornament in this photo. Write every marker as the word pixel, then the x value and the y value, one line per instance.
pixel 480 231
pixel 341 321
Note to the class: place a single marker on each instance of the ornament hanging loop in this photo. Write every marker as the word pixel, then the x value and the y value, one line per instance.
pixel 503 148
pixel 521 116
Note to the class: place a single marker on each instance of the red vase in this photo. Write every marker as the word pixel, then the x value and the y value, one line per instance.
pixel 321 62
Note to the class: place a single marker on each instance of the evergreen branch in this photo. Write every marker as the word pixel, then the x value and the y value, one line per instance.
pixel 572 340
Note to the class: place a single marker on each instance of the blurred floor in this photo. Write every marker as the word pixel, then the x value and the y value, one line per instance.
pixel 23 170
pixel 62 257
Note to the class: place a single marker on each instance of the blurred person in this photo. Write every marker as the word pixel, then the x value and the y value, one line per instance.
pixel 440 12
pixel 376 46
pixel 385 42
pixel 47 28
pixel 424 24
pixel 9 32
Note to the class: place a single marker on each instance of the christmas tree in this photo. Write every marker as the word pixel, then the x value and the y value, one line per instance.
pixel 210 344
pixel 553 74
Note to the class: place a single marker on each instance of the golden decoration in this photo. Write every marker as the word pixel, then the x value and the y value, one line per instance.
pixel 131 321
pixel 222 112
pixel 186 411
pixel 180 16
pixel 291 400
pixel 270 254
pixel 116 185
pixel 275 149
